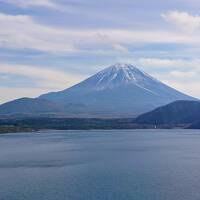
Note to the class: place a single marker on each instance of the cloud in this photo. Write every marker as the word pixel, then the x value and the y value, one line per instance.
pixel 11 93
pixel 182 65
pixel 183 20
pixel 52 79
pixel 23 32
pixel 137 36
pixel 120 48
pixel 164 64
pixel 33 3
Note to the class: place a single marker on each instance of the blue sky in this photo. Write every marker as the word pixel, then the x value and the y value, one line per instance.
pixel 49 45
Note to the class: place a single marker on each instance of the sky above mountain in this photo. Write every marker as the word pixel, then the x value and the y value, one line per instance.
pixel 49 45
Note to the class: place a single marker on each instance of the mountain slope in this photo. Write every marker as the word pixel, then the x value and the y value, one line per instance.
pixel 29 105
pixel 179 112
pixel 121 90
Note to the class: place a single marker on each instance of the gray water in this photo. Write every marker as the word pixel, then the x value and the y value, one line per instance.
pixel 103 165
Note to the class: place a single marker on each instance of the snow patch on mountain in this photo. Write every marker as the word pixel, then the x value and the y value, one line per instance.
pixel 122 74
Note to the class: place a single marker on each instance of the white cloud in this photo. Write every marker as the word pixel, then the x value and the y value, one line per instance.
pixel 33 3
pixel 136 36
pixel 183 20
pixel 120 48
pixel 159 64
pixel 23 32
pixel 51 79
pixel 11 93
pixel 169 63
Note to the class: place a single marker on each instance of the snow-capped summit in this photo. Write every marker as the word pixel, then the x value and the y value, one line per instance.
pixel 120 90
pixel 122 74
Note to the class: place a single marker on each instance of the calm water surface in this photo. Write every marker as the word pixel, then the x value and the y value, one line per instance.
pixel 100 165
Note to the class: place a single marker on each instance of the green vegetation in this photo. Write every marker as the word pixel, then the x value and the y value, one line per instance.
pixel 31 124
pixel 12 129
pixel 42 123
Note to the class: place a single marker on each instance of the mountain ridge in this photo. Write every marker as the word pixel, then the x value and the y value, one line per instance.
pixel 178 112
pixel 121 90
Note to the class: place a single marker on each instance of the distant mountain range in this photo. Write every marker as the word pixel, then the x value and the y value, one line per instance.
pixel 186 113
pixel 118 91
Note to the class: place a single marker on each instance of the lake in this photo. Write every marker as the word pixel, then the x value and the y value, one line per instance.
pixel 100 165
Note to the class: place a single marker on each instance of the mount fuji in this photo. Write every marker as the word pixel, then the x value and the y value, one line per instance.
pixel 120 90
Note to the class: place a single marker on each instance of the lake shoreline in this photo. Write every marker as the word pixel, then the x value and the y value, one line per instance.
pixel 35 124
pixel 6 130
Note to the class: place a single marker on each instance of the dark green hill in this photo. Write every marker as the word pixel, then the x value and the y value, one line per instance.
pixel 195 125
pixel 178 112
